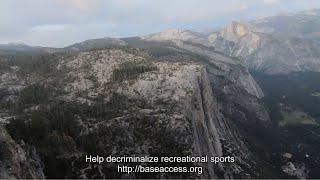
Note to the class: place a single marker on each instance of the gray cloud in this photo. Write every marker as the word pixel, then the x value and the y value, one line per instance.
pixel 63 22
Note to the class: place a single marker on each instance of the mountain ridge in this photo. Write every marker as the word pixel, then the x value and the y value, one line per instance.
pixel 262 44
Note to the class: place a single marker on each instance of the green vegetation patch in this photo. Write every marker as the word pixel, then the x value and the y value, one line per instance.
pixel 294 90
pixel 294 118
pixel 34 94
pixel 44 64
pixel 315 94
pixel 131 70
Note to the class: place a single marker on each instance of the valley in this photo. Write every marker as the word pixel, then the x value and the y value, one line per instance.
pixel 295 115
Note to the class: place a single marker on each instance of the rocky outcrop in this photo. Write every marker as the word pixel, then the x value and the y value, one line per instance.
pixel 154 108
pixel 235 30
pixel 192 92
pixel 225 66
pixel 18 160
pixel 176 34
pixel 232 83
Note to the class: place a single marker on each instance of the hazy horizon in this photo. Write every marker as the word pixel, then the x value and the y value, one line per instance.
pixel 59 23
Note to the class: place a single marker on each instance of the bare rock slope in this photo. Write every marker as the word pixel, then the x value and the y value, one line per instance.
pixel 122 101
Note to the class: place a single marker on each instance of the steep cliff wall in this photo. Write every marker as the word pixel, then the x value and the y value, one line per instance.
pixel 18 160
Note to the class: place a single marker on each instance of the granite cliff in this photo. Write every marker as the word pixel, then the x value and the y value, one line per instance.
pixel 123 101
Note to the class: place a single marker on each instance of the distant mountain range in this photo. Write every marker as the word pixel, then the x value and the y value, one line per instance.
pixel 279 44
pixel 18 48
pixel 305 24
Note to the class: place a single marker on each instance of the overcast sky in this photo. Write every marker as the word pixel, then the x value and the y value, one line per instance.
pixel 58 23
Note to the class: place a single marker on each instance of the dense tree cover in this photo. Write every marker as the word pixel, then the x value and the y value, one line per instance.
pixel 34 94
pixel 293 89
pixel 3 93
pixel 43 64
pixel 156 49
pixel 53 114
pixel 33 128
pixel 131 70
pixel 53 126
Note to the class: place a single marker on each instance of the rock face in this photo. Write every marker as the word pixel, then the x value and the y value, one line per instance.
pixel 141 106
pixel 266 52
pixel 230 68
pixel 233 85
pixel 18 160
pixel 237 39
pixel 235 30
pixel 292 170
